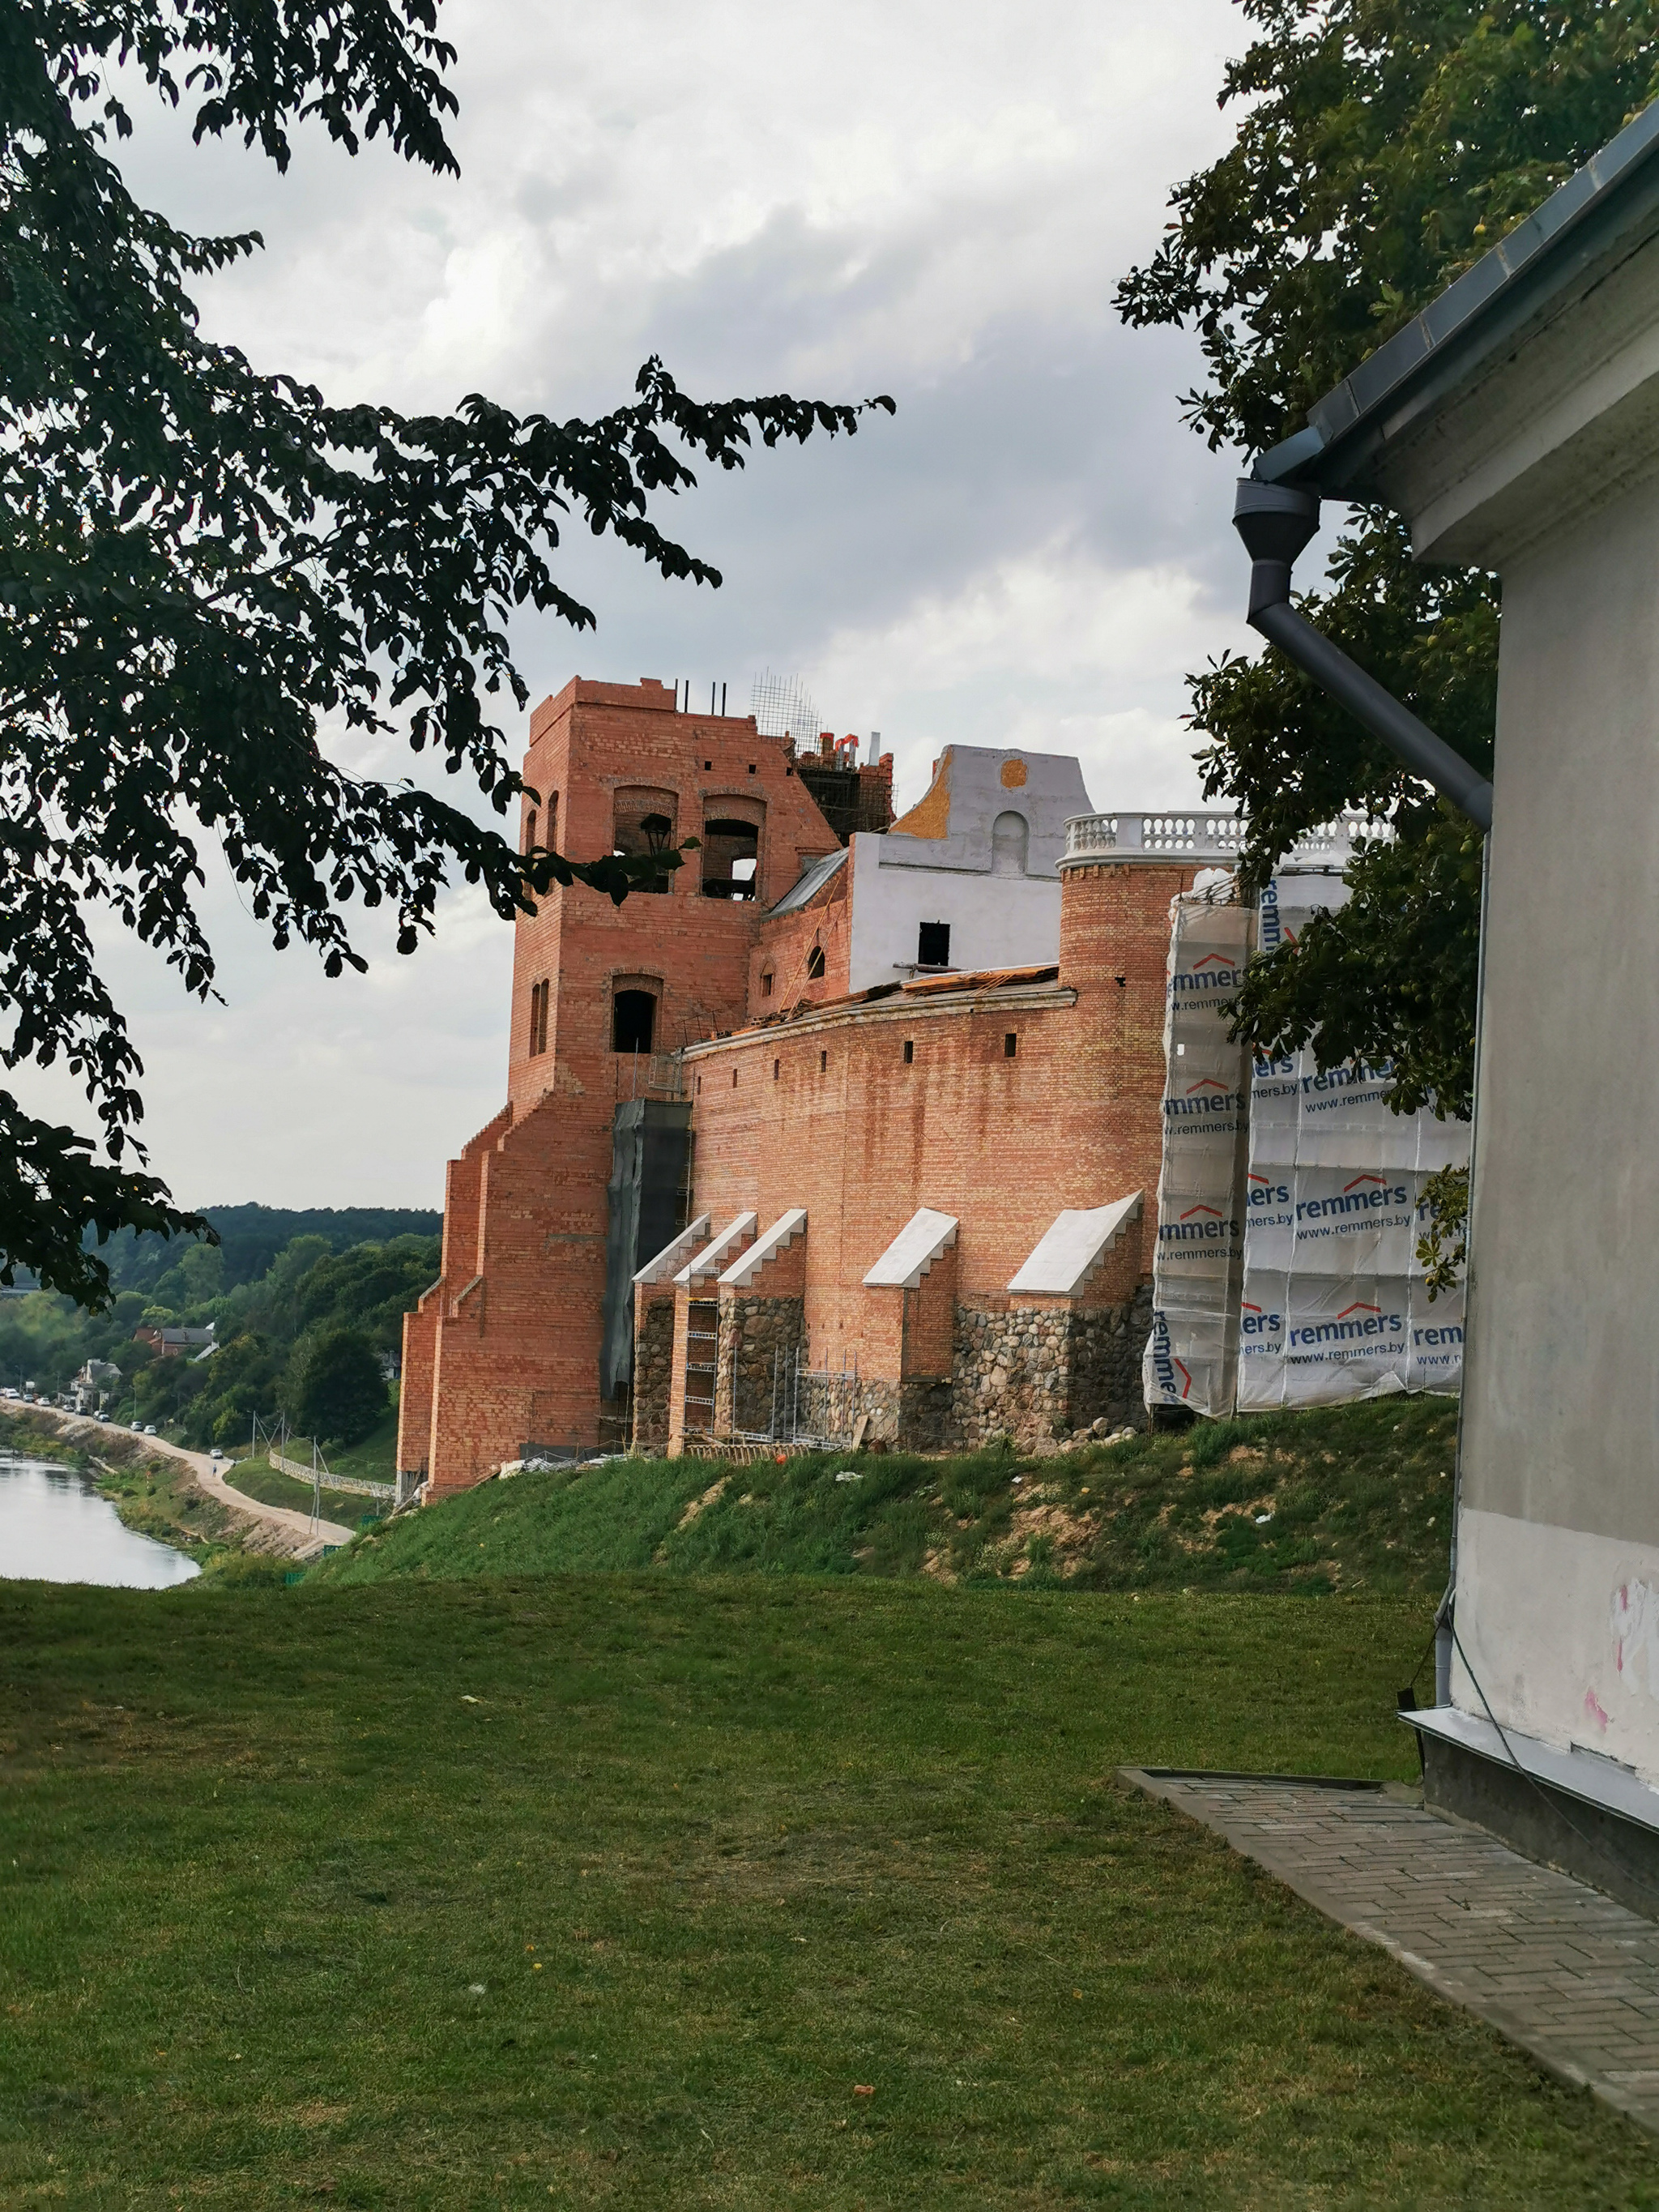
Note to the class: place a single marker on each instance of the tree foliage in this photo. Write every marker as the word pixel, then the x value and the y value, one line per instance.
pixel 335 1391
pixel 204 567
pixel 1382 145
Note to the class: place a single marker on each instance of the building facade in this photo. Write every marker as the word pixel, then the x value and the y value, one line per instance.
pixel 824 1138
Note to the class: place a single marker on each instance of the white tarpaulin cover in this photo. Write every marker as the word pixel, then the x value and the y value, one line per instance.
pixel 1189 1355
pixel 1332 1303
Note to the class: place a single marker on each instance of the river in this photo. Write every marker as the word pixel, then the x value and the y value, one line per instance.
pixel 55 1528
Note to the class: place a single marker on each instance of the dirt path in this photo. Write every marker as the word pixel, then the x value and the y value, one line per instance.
pixel 298 1535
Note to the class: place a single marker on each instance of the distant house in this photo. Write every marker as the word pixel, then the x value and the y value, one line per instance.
pixel 93 1385
pixel 178 1343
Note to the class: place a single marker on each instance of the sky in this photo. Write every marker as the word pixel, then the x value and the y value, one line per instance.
pixel 930 202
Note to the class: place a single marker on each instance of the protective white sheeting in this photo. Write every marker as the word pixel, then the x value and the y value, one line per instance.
pixel 1189 1357
pixel 674 1256
pixel 1290 1203
pixel 1333 1303
pixel 714 1257
pixel 1073 1246
pixel 778 1238
pixel 925 1237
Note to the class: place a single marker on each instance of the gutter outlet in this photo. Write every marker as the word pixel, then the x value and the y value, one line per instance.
pixel 1275 522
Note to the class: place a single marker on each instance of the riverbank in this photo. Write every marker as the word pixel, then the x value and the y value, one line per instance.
pixel 176 1496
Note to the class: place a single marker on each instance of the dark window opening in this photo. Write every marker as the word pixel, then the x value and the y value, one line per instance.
pixel 643 823
pixel 815 963
pixel 910 1050
pixel 633 1019
pixel 529 831
pixel 751 767
pixel 731 853
pixel 823 1063
pixel 539 993
pixel 708 768
pixel 1009 1045
pixel 553 823
pixel 734 1078
pixel 933 944
pixel 766 984
pixel 775 1066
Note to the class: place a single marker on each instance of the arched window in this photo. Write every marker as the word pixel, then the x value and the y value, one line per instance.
pixel 633 1021
pixel 642 821
pixel 815 963
pixel 730 859
pixel 1011 839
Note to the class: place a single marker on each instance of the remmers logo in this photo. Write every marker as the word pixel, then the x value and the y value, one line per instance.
pixel 1357 1321
pixel 1174 1376
pixel 1215 971
pixel 1256 1320
pixel 1209 1095
pixel 1199 1225
pixel 1261 1192
pixel 1362 1196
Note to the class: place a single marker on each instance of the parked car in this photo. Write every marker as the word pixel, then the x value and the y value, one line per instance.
pixel 216 1453
pixel 151 1431
pixel 138 1428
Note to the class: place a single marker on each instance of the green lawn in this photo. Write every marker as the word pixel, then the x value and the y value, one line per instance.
pixel 615 1891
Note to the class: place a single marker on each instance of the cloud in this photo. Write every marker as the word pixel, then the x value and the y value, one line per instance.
pixel 934 202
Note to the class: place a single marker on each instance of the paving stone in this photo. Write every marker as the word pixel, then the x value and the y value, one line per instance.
pixel 1568 1974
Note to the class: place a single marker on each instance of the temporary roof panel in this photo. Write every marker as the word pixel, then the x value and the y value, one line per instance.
pixel 808 885
pixel 778 1238
pixel 924 1237
pixel 674 1256
pixel 714 1257
pixel 1073 1246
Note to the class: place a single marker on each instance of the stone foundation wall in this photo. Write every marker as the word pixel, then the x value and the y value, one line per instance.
pixel 758 1340
pixel 1034 1372
pixel 653 1373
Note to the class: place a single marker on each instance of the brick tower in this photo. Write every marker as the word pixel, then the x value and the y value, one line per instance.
pixel 503 1353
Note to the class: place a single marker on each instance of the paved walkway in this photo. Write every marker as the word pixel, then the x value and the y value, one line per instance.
pixel 296 1533
pixel 1553 1965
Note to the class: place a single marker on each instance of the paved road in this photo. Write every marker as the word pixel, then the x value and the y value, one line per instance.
pixel 302 1537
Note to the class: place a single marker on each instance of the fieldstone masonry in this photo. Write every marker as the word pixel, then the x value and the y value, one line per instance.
pixel 653 1368
pixel 757 1341
pixel 1032 1371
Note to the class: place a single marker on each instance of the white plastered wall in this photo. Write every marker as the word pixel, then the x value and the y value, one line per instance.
pixel 1545 468
pixel 996 919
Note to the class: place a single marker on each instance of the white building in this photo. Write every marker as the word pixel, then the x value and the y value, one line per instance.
pixel 1515 425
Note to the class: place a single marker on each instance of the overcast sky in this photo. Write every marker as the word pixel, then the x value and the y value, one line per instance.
pixel 930 201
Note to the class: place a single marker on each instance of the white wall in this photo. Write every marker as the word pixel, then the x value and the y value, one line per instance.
pixel 996 921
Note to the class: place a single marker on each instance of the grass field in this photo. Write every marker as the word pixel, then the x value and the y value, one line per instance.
pixel 656 1890
pixel 1349 1498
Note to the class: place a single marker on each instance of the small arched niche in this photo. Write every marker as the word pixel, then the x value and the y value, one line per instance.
pixel 1011 839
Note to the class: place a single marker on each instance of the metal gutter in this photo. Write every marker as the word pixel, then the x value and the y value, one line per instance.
pixel 1275 522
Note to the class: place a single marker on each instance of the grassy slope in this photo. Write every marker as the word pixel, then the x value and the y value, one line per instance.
pixel 610 1890
pixel 1359 1498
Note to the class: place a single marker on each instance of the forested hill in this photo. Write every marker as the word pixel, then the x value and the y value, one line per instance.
pixel 251 1237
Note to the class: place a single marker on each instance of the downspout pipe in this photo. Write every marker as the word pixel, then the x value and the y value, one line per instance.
pixel 1275 522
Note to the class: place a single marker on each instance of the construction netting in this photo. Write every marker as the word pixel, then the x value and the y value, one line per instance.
pixel 1289 1207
